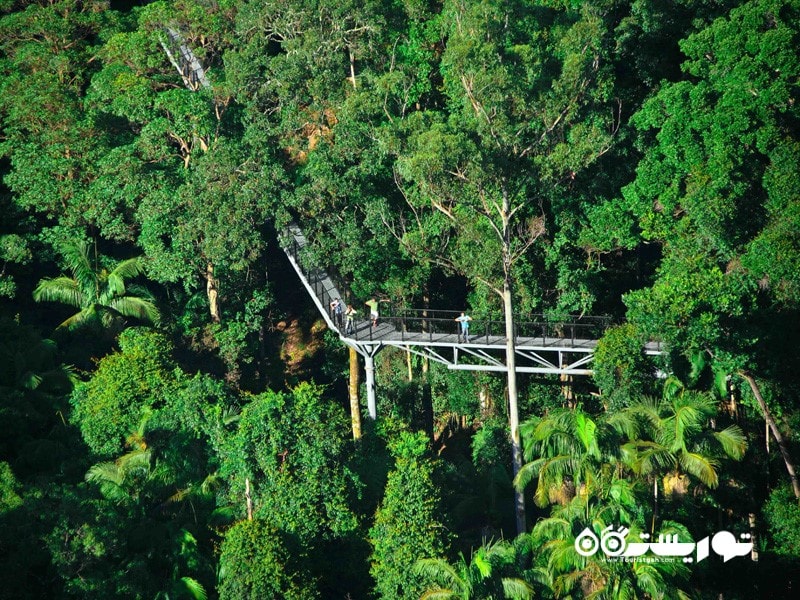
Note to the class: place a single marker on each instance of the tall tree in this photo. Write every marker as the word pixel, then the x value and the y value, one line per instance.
pixel 291 449
pixel 707 188
pixel 526 111
pixel 568 574
pixel 677 440
pixel 570 452
pixel 255 563
pixel 54 147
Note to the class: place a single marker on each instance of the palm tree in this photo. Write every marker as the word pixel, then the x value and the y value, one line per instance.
pixel 485 577
pixel 567 574
pixel 100 295
pixel 130 481
pixel 682 440
pixel 124 480
pixel 568 451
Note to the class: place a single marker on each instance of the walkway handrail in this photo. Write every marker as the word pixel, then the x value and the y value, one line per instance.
pixel 294 243
pixel 436 322
pixel 487 331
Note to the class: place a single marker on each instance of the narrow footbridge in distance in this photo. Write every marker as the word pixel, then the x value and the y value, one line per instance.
pixel 562 348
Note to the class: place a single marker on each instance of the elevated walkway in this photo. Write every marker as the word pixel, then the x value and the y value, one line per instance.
pixel 560 348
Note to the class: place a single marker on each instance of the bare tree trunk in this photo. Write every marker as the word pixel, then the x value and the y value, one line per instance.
pixel 566 389
pixel 212 293
pixel 409 366
pixel 355 409
pixel 513 410
pixel 485 402
pixel 352 67
pixel 511 364
pixel 751 519
pixel 655 506
pixel 426 302
pixel 248 499
pixel 787 458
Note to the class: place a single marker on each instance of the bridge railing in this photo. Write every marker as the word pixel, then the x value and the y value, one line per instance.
pixel 320 281
pixel 415 328
pixel 431 325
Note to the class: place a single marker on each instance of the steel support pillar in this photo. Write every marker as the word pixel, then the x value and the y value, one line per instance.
pixel 369 368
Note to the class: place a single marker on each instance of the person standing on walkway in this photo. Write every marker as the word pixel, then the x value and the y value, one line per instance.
pixel 337 312
pixel 350 315
pixel 373 310
pixel 464 320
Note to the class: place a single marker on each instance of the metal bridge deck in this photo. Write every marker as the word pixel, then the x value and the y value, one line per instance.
pixel 564 348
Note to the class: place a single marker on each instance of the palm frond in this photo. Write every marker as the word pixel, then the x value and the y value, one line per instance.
pixel 105 471
pixel 672 387
pixel 622 492
pixel 585 430
pixel 231 414
pixel 499 552
pixel 527 473
pixel 481 563
pixel 79 319
pixel 541 575
pixel 676 426
pixel 61 289
pixel 29 380
pixel 733 441
pixel 109 478
pixel 439 570
pixel 549 529
pixel 140 291
pixel 653 455
pixel 114 288
pixel 194 588
pixel 59 379
pixel 648 579
pixel 439 594
pixel 128 269
pixel 702 467
pixel 517 589
pixel 623 422
pixel 698 362
pixel 137 461
pixel 78 261
pixel 224 515
pixel 129 306
pixel 721 382
pixel 648 409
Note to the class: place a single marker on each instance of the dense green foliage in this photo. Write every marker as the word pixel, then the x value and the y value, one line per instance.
pixel 174 416
pixel 406 526
pixel 254 563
